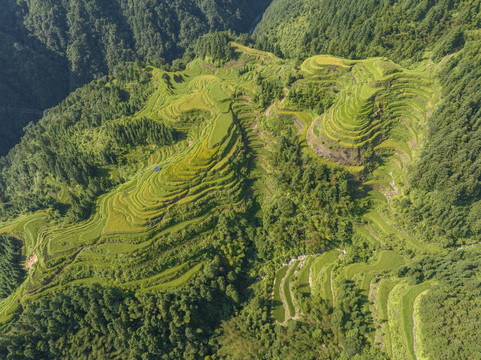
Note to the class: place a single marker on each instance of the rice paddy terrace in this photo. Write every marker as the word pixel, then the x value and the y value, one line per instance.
pixel 392 300
pixel 373 96
pixel 152 232
pixel 149 233
pixel 378 105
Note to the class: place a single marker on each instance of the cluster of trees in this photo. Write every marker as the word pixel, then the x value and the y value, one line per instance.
pixel 316 97
pixel 311 208
pixel 351 322
pixel 214 47
pixel 265 44
pixel 11 272
pixel 270 90
pixel 142 131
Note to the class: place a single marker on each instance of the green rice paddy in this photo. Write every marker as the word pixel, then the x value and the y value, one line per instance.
pixel 134 239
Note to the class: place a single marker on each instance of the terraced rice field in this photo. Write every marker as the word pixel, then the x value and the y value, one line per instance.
pixel 318 62
pixel 304 278
pixel 139 225
pixel 278 310
pixel 381 306
pixel 318 275
pixel 407 303
pixel 263 56
pixel 150 233
pixel 393 300
pixel 375 96
pixel 283 306
pixel 305 275
pixel 322 276
pixel 401 318
pixel 287 291
pixel 387 260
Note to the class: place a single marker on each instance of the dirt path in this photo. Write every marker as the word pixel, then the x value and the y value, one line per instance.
pixel 394 189
pixel 294 302
pixel 310 278
pixel 379 333
pixel 300 124
pixel 290 264
pixel 268 110
pixel 310 136
pixel 446 58
pixel 393 184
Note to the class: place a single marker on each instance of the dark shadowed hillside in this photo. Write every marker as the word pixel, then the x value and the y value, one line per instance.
pixel 32 77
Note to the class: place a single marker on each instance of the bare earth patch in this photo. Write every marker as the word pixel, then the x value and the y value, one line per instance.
pixel 329 150
pixel 32 259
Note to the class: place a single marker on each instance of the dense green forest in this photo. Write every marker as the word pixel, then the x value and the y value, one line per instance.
pixel 10 268
pixel 312 191
pixel 447 180
pixel 91 321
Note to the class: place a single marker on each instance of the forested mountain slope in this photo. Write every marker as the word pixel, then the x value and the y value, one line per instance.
pixel 49 48
pixel 400 29
pixel 318 201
